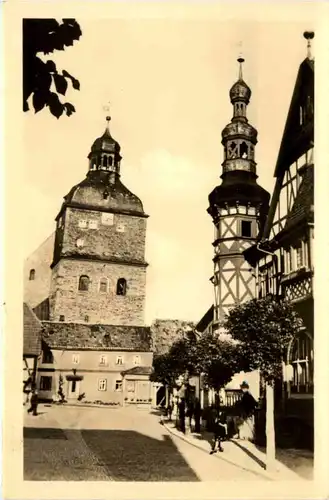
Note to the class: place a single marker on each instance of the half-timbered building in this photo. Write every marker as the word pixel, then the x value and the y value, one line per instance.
pixel 283 258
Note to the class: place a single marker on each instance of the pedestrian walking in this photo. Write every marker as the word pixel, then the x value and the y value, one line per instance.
pixel 197 415
pixel 34 403
pixel 182 414
pixel 220 432
pixel 27 389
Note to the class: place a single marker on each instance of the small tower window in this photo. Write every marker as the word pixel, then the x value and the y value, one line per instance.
pixel 301 115
pixel 32 275
pixel 121 286
pixel 103 285
pixel 105 161
pixel 86 319
pixel 246 228
pixel 61 317
pixel 110 161
pixel 84 283
pixel 244 150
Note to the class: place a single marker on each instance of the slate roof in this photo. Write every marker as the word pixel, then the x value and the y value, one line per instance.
pixel 302 209
pixel 81 336
pixel 32 332
pixel 205 320
pixel 138 370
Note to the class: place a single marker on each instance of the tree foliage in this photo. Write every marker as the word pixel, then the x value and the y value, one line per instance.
pixel 193 355
pixel 263 329
pixel 42 79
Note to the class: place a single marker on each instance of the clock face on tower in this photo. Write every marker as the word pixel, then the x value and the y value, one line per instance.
pixel 79 243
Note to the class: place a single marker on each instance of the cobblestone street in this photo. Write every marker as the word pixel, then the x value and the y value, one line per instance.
pixel 126 444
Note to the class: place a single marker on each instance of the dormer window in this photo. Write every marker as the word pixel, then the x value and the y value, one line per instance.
pixel 32 275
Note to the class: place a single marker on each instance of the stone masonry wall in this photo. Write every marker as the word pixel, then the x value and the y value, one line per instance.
pixel 100 307
pixel 106 235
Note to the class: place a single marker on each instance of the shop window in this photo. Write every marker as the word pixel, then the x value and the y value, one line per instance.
pixel 118 385
pixel 102 384
pixel 84 283
pixel 45 383
pixel 301 359
pixel 32 275
pixel 121 286
pixel 246 228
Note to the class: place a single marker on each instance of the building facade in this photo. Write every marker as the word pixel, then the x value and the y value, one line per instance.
pixel 283 259
pixel 96 346
pixel 238 207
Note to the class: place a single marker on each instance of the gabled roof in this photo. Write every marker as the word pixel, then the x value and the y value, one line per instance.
pixel 302 209
pixel 32 332
pixel 81 336
pixel 205 320
pixel 296 139
pixel 138 370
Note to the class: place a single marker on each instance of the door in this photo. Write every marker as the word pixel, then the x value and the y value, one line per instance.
pixel 74 387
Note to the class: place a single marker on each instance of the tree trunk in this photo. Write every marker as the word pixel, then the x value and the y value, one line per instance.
pixel 270 429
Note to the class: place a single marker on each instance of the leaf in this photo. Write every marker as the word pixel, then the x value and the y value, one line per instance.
pixel 51 66
pixel 69 108
pixel 55 106
pixel 75 84
pixel 39 100
pixel 60 84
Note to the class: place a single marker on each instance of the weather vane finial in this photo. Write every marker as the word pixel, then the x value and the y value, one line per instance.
pixel 240 60
pixel 106 108
pixel 309 35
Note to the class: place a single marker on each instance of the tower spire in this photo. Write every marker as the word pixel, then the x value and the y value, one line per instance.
pixel 108 116
pixel 240 61
pixel 309 35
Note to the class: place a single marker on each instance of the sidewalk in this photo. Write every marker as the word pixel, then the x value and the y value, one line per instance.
pixel 240 453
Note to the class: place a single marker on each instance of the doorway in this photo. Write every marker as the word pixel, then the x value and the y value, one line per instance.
pixel 74 389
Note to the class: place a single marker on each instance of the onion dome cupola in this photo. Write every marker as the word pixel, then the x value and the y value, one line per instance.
pixel 102 187
pixel 239 139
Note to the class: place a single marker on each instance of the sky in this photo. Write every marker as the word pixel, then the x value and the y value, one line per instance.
pixel 167 80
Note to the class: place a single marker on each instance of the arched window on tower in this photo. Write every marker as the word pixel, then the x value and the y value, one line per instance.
pixel 103 285
pixel 243 150
pixel 105 161
pixel 110 161
pixel 32 275
pixel 121 286
pixel 84 282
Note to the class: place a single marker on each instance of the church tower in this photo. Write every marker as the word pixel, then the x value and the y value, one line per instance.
pixel 99 268
pixel 238 207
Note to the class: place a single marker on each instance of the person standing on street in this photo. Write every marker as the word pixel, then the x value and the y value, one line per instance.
pixel 181 413
pixel 34 403
pixel 197 415
pixel 247 405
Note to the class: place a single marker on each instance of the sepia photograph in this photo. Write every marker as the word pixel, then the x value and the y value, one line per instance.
pixel 167 246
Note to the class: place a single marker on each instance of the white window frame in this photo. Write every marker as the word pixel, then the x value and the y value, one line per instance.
pixel 83 223
pixel 103 360
pixel 118 362
pixel 102 384
pixel 137 360
pixel 75 359
pixel 118 387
